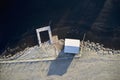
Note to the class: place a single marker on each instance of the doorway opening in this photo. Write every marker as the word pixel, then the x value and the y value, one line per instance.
pixel 44 36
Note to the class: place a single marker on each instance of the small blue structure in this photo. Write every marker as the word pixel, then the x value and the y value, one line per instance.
pixel 72 46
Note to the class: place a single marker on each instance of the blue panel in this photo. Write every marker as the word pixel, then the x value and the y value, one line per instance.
pixel 71 49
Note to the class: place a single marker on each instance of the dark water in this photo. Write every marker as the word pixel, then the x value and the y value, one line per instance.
pixel 100 20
